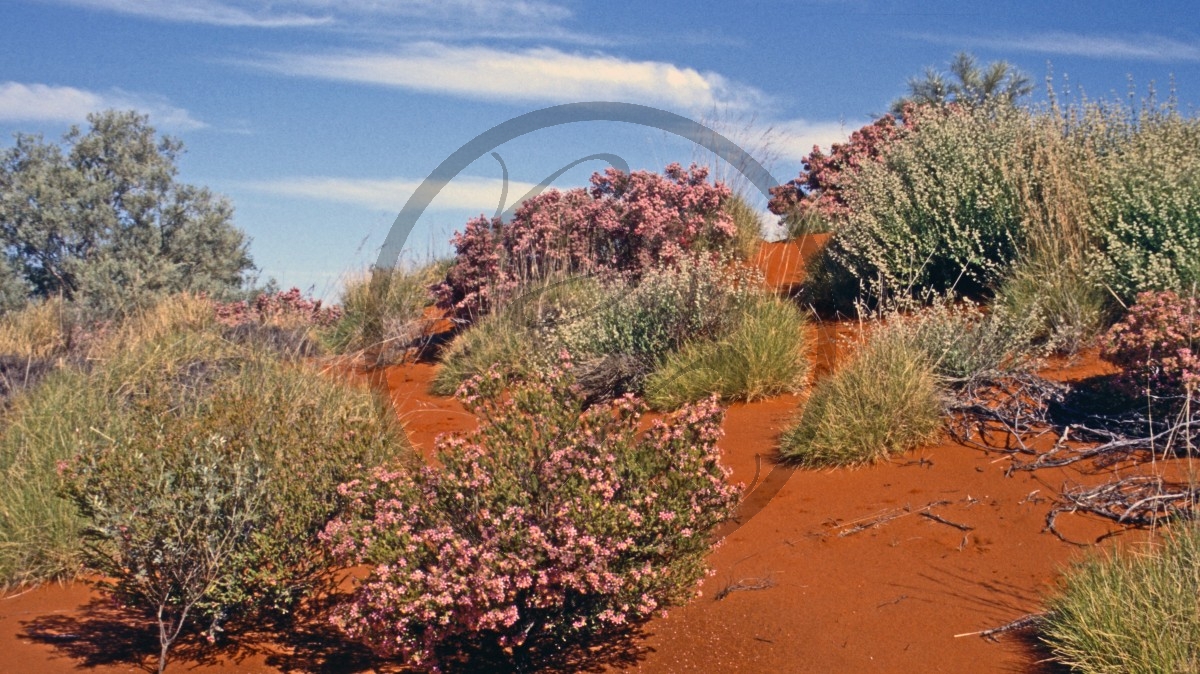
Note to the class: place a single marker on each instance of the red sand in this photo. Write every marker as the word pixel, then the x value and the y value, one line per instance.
pixel 885 599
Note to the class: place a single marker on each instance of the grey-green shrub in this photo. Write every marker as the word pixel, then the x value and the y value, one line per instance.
pixel 1145 195
pixel 1134 613
pixel 291 414
pixel 641 323
pixel 962 343
pixel 698 298
pixel 885 400
pixel 939 210
pixel 765 354
pixel 204 507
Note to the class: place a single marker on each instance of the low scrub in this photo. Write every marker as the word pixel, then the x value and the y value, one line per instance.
pixel 624 223
pixel 938 210
pixel 202 504
pixel 1157 345
pixel 550 525
pixel 176 374
pixel 765 354
pixel 885 400
pixel 1136 612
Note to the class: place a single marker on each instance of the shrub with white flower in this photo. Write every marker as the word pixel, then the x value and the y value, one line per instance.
pixel 548 525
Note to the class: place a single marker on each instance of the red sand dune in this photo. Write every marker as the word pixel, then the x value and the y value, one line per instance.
pixel 891 598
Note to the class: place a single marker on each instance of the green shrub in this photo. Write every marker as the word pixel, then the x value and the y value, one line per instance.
pixel 1133 613
pixel 384 308
pixel 938 211
pixel 962 343
pixel 205 504
pixel 884 400
pixel 699 298
pixel 1065 307
pixel 171 355
pixel 619 325
pixel 1145 195
pixel 765 354
pixel 520 337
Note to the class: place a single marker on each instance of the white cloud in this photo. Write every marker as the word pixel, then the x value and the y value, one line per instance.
pixel 462 193
pixel 521 18
pixel 1142 47
pixel 539 75
pixel 258 15
pixel 794 139
pixel 48 103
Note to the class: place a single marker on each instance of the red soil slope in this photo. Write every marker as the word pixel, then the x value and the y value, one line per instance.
pixel 835 596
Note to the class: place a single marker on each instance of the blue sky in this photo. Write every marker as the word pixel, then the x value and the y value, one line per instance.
pixel 319 118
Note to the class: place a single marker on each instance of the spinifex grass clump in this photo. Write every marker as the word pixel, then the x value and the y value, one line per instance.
pixel 550 525
pixel 1136 612
pixel 764 354
pixel 624 223
pixel 885 400
pixel 382 311
pixel 1157 345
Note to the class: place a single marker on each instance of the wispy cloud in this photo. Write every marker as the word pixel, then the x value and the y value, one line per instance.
pixel 538 75
pixel 463 193
pixel 1140 47
pixel 21 102
pixel 479 19
pixel 239 14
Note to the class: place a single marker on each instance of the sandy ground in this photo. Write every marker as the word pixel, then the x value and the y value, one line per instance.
pixel 831 596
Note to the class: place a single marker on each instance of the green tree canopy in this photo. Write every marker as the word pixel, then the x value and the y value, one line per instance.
pixel 967 84
pixel 100 218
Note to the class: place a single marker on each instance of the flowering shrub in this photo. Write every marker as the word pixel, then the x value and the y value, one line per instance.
pixel 549 523
pixel 1155 344
pixel 819 185
pixel 288 308
pixel 624 222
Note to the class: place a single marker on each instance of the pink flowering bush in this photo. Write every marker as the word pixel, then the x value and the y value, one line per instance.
pixel 820 185
pixel 623 223
pixel 289 308
pixel 1156 345
pixel 548 526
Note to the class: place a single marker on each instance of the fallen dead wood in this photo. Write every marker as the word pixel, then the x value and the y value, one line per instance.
pixel 888 516
pixel 1139 500
pixel 1024 622
pixel 942 520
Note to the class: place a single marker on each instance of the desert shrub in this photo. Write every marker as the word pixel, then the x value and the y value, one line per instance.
pixel 611 327
pixel 962 343
pixel 765 354
pixel 624 222
pixel 1144 190
pixel 384 307
pixel 520 338
pixel 819 189
pixel 938 210
pixel 1135 612
pixel 285 322
pixel 1065 308
pixel 885 400
pixel 205 504
pixel 1156 347
pixel 548 526
pixel 699 297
